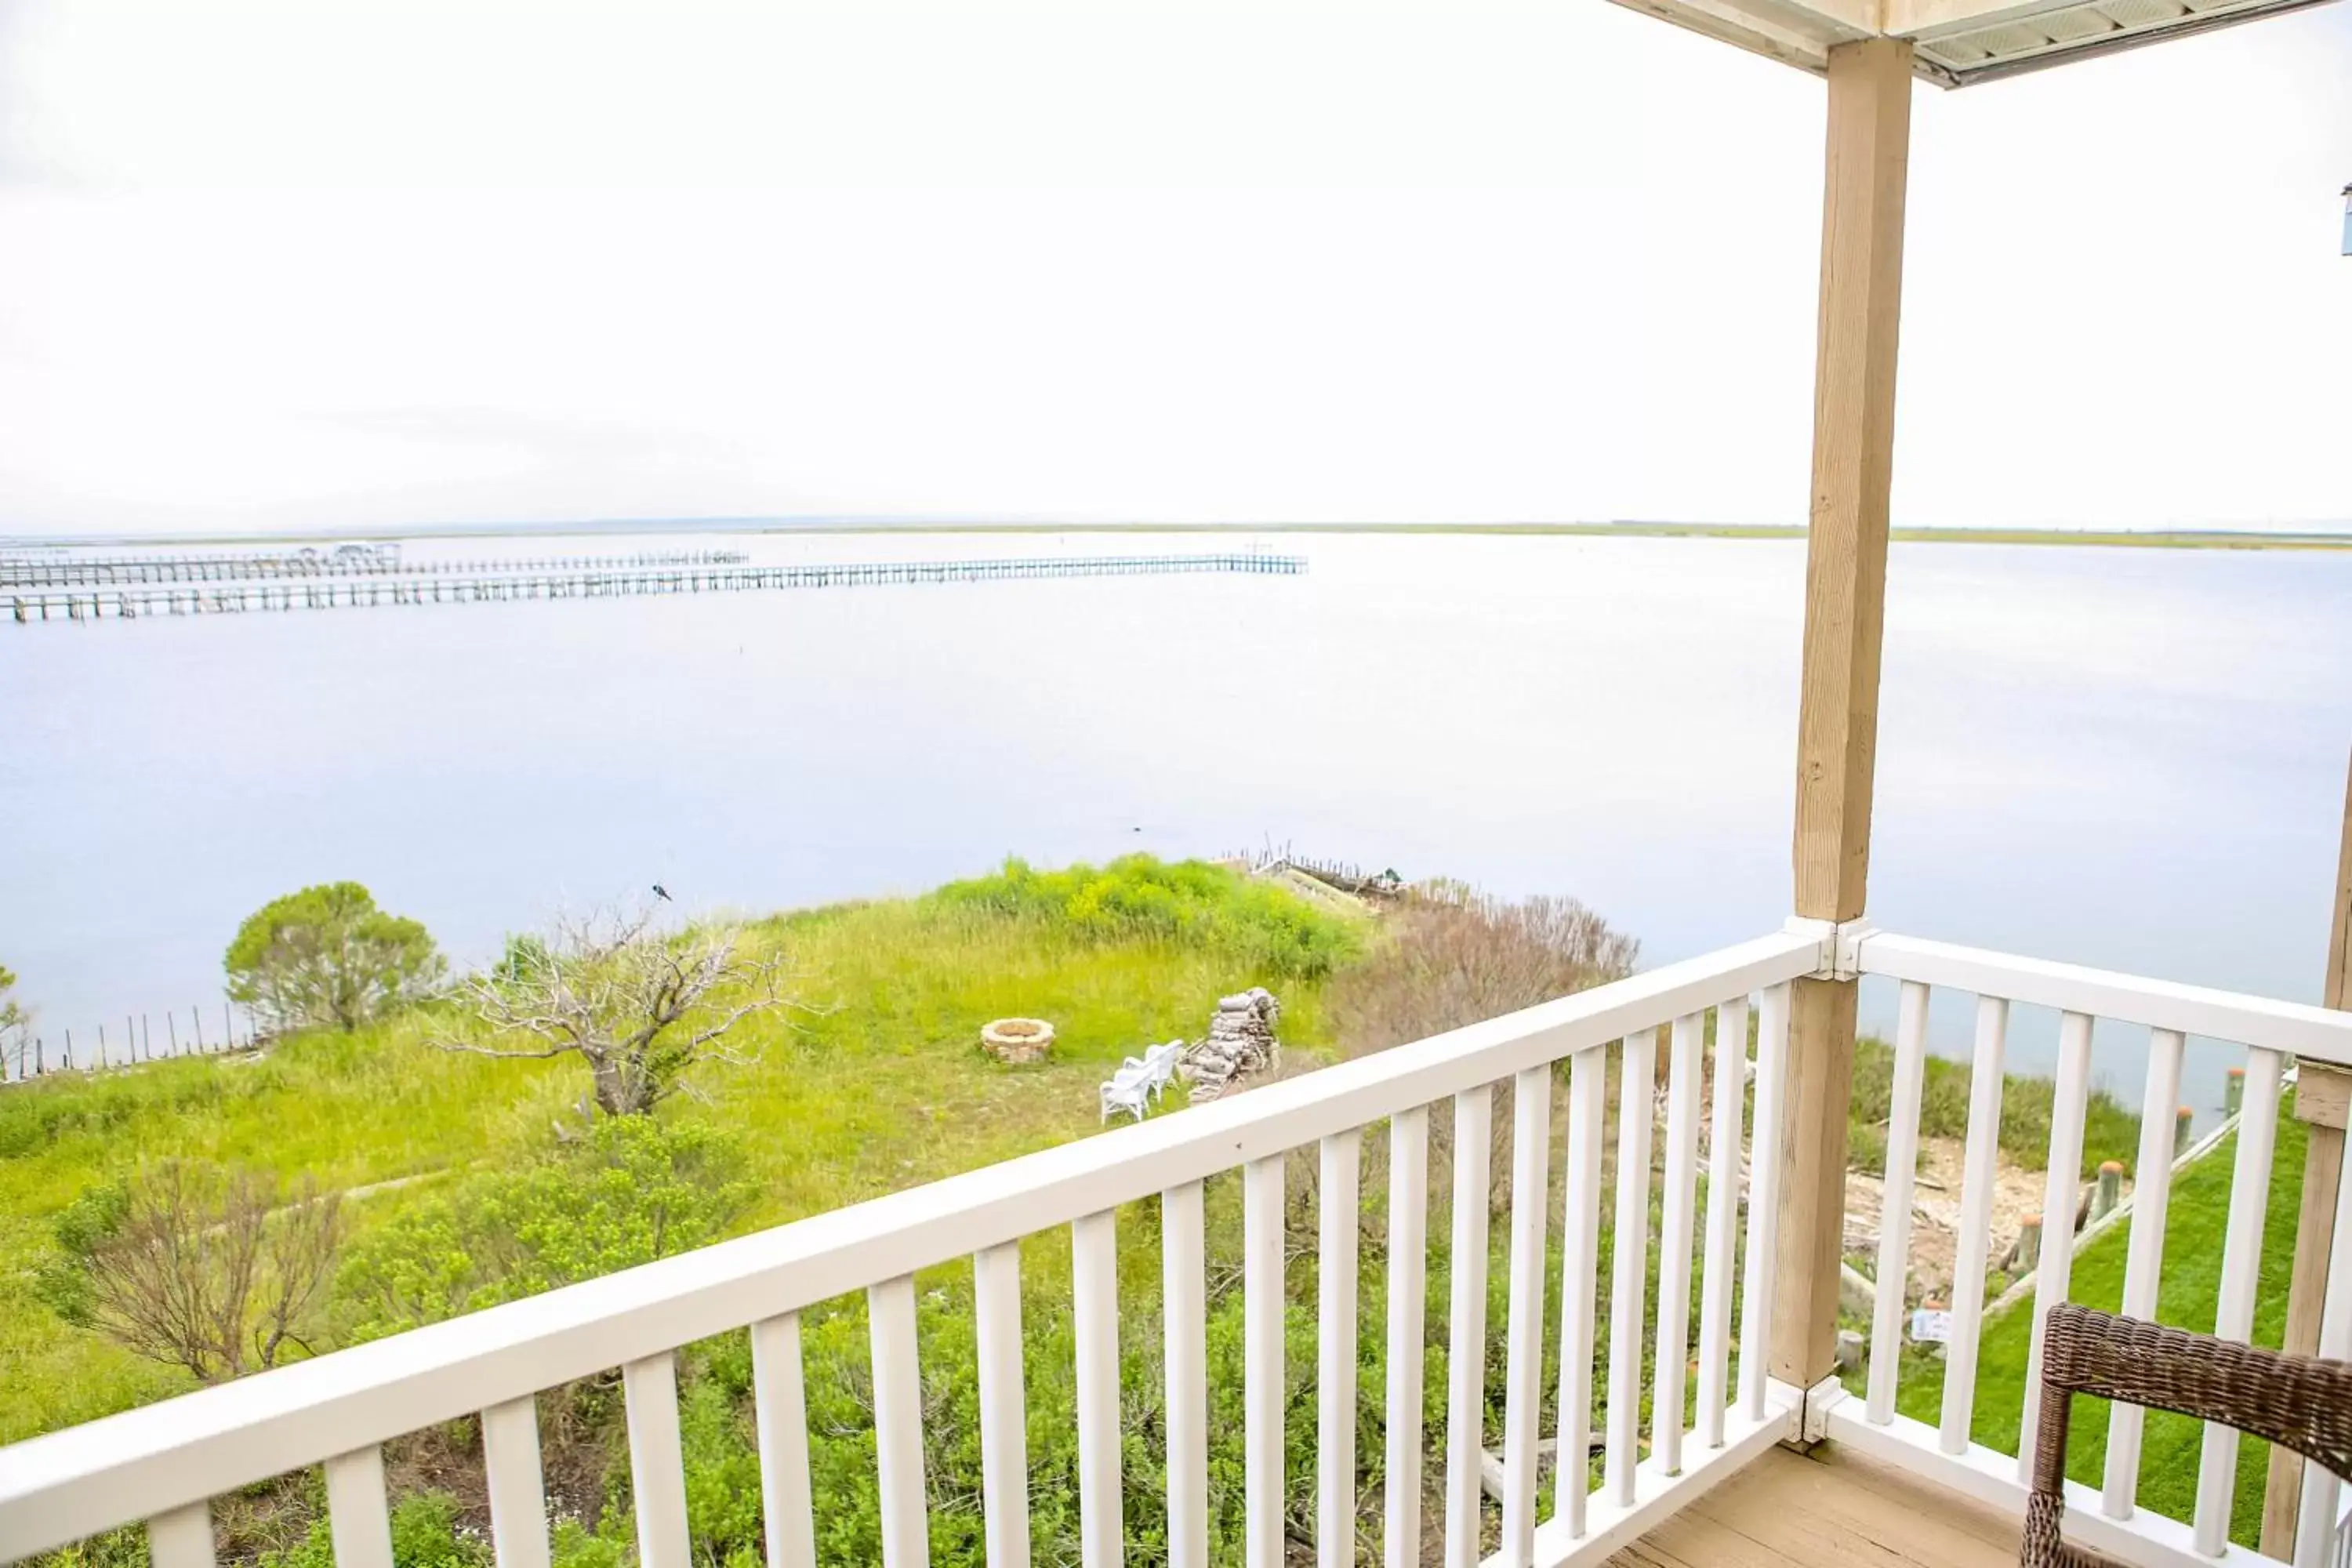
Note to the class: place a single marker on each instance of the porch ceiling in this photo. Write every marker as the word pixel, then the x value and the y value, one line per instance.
pixel 1959 41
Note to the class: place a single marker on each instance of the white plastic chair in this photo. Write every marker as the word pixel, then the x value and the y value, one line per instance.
pixel 1126 1090
pixel 1138 1083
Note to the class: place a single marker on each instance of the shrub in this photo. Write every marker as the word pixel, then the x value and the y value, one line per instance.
pixel 842 1441
pixel 631 1190
pixel 1137 898
pixel 196 1266
pixel 1452 956
pixel 328 956
pixel 426 1533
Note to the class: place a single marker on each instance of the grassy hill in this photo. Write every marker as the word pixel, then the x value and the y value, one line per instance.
pixel 875 1082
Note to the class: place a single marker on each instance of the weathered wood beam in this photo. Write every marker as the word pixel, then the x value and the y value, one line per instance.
pixel 2321 1099
pixel 1867 159
pixel 2338 991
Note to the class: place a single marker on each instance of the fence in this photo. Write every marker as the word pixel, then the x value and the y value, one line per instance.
pixel 32 1055
pixel 2111 1519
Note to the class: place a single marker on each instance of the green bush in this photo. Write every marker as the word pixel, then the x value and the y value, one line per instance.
pixel 327 957
pixel 1140 898
pixel 629 1190
pixel 63 1280
pixel 426 1533
pixel 572 1544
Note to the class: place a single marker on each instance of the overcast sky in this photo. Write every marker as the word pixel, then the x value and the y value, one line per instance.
pixel 276 265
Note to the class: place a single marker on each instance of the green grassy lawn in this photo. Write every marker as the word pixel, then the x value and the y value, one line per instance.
pixel 2194 1225
pixel 877 1084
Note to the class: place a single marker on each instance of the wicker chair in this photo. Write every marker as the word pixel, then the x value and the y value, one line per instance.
pixel 2301 1402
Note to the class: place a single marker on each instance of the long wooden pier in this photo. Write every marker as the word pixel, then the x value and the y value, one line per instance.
pixel 130 601
pixel 66 572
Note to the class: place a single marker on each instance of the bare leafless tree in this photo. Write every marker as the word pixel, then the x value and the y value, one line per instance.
pixel 1452 956
pixel 640 1006
pixel 1449 956
pixel 205 1271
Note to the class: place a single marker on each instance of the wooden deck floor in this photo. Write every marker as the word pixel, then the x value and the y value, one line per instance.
pixel 1831 1510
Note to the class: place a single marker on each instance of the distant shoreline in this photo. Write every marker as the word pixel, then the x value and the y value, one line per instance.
pixel 2149 539
pixel 2164 539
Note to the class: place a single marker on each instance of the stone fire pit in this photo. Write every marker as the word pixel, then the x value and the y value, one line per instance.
pixel 1018 1039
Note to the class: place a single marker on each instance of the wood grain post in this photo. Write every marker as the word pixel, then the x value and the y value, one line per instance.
pixel 2323 1096
pixel 1867 159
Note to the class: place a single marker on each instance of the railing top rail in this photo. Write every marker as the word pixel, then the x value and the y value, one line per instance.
pixel 71 1484
pixel 2295 1029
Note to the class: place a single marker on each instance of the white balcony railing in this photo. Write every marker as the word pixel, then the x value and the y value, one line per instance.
pixel 2109 1519
pixel 164 1464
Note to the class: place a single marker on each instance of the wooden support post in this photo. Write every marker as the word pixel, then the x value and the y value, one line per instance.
pixel 2323 1097
pixel 1867 163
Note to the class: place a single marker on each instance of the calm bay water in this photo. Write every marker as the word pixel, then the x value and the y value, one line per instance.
pixel 2132 758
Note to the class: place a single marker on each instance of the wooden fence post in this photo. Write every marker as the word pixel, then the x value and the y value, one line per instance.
pixel 2321 1096
pixel 1867 165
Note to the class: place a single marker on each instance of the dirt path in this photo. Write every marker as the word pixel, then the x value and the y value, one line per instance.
pixel 1936 1213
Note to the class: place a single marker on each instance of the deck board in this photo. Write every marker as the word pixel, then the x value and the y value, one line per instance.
pixel 1830 1509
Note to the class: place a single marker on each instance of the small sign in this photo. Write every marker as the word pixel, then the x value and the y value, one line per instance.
pixel 1931 1325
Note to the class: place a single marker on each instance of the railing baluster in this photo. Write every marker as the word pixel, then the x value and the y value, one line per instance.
pixel 2242 1263
pixel 2319 1539
pixel 358 1523
pixel 1263 1391
pixel 1670 1379
pixel 1466 1355
pixel 1720 1254
pixel 1763 1200
pixel 1003 1406
pixel 1629 1264
pixel 1095 1305
pixel 1335 1377
pixel 657 1462
pixel 1523 1363
pixel 518 1491
pixel 2053 1275
pixel 1976 1178
pixel 899 1423
pixel 1894 1210
pixel 1184 1334
pixel 182 1538
pixel 1408 1284
pixel 2151 1196
pixel 1579 1264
